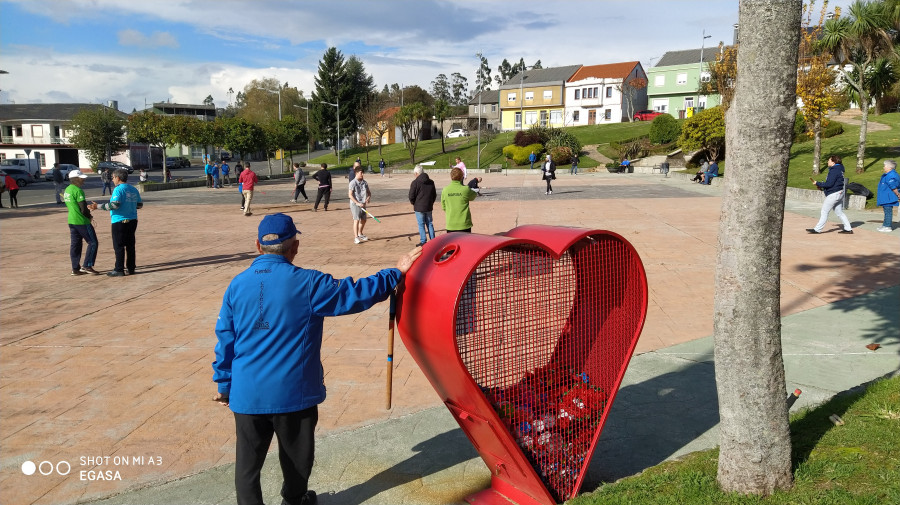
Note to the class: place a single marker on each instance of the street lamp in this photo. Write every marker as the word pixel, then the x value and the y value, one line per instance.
pixel 338 145
pixel 279 120
pixel 307 128
pixel 700 76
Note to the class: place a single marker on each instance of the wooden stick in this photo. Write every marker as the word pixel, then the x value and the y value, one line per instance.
pixel 390 353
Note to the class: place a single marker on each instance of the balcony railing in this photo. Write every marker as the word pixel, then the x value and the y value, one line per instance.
pixel 6 140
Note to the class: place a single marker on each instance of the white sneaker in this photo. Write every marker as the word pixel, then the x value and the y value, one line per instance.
pixel 293 201
pixel 363 238
pixel 885 229
pixel 357 240
pixel 551 192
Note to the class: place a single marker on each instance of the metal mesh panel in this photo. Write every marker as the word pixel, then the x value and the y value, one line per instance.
pixel 545 340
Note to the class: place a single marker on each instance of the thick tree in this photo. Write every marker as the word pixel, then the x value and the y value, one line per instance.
pixel 332 87
pixel 704 131
pixel 409 119
pixel 857 41
pixel 415 94
pixel 100 131
pixel 145 127
pixel 361 89
pixel 241 136
pixel 755 443
pixel 459 90
pixel 440 88
pixel 208 100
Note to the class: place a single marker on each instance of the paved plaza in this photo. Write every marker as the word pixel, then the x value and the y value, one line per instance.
pixel 95 371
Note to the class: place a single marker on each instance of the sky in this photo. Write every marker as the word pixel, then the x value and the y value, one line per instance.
pixel 140 51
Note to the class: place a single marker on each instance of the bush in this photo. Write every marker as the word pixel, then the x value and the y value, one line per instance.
pixel 527 138
pixel 800 128
pixel 831 129
pixel 520 155
pixel 561 155
pixel 664 129
pixel 562 138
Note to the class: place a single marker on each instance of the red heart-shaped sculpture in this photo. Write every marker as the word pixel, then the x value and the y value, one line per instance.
pixel 525 337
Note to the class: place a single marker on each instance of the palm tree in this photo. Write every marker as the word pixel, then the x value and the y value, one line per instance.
pixel 857 42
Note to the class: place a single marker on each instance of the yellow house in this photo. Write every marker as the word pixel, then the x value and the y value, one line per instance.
pixel 390 135
pixel 535 97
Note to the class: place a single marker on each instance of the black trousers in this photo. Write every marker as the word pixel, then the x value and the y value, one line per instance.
pixel 296 451
pixel 13 201
pixel 326 192
pixel 301 189
pixel 123 244
pixel 549 187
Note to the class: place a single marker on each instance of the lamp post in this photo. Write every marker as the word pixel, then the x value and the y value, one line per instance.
pixel 279 120
pixel 700 76
pixel 307 128
pixel 338 145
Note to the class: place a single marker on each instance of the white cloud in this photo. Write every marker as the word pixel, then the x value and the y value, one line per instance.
pixel 157 39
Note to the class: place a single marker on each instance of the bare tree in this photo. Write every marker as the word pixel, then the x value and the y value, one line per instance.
pixel 755 444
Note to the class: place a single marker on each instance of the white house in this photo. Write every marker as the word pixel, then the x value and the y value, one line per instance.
pixel 609 93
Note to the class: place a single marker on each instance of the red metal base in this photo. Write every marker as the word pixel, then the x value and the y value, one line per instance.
pixel 502 493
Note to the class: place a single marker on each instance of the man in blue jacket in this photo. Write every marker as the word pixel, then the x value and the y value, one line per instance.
pixel 834 196
pixel 268 365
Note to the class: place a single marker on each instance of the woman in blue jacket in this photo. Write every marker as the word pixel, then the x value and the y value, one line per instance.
pixel 888 194
pixel 834 196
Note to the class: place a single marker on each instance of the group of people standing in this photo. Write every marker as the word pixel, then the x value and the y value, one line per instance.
pixel 123 205
pixel 217 174
pixel 9 185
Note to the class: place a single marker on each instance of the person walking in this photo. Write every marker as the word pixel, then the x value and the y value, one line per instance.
pixel 574 169
pixel 106 178
pixel 13 188
pixel 323 176
pixel 359 194
pixel 834 196
pixel 225 170
pixel 143 178
pixel 81 230
pixel 548 173
pixel 455 200
pixel 888 194
pixel 532 158
pixel 122 206
pixel 248 182
pixel 299 184
pixel 268 364
pixel 381 166
pixel 57 176
pixel 422 195
pixel 462 166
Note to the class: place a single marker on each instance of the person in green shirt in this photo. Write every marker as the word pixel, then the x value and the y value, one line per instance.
pixel 455 200
pixel 80 227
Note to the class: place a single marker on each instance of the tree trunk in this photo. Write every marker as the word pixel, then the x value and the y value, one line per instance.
pixel 755 450
pixel 863 126
pixel 817 144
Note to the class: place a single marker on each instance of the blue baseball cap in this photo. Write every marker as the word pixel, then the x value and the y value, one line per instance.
pixel 277 224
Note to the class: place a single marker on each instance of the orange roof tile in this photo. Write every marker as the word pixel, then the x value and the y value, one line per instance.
pixel 614 70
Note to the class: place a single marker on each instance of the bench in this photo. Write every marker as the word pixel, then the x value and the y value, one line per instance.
pixel 495 167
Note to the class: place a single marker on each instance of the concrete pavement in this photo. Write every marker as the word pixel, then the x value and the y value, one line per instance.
pixel 95 367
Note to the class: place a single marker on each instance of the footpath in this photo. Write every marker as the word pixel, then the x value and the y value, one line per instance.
pixel 96 370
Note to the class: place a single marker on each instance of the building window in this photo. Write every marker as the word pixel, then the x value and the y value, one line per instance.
pixel 493 107
pixel 37 131
pixel 529 95
pixel 43 160
pixel 518 120
pixel 578 94
pixel 484 109
pixel 57 131
pixel 530 117
pixel 704 77
pixel 661 104
pixel 596 92
pixel 575 116
pixel 548 94
pixel 607 114
pixel 659 80
pixel 555 117
pixel 543 118
pixel 511 97
pixel 17 130
pixel 609 92
pixel 681 79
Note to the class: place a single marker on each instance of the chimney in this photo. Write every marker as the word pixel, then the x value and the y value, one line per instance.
pixel 113 104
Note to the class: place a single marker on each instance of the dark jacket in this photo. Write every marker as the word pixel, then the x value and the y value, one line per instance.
pixel 835 180
pixel 548 173
pixel 422 193
pixel 324 178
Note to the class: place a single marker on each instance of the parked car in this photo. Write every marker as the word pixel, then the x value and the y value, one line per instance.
pixel 113 165
pixel 22 176
pixel 173 162
pixel 457 132
pixel 185 162
pixel 65 168
pixel 225 156
pixel 646 115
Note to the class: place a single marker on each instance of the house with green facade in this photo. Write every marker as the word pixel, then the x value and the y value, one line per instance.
pixel 673 84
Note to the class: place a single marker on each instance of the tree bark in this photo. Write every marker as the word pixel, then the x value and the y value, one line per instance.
pixel 863 126
pixel 817 145
pixel 755 451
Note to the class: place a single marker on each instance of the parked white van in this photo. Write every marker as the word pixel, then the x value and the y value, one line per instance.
pixel 31 165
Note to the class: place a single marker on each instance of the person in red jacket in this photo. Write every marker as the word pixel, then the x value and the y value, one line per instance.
pixel 248 180
pixel 13 188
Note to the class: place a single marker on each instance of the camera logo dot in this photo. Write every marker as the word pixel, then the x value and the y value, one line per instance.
pixel 28 468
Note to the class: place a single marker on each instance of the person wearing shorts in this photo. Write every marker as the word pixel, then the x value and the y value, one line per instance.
pixel 359 194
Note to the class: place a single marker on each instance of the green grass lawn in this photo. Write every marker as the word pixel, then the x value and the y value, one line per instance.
pixel 856 463
pixel 880 146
